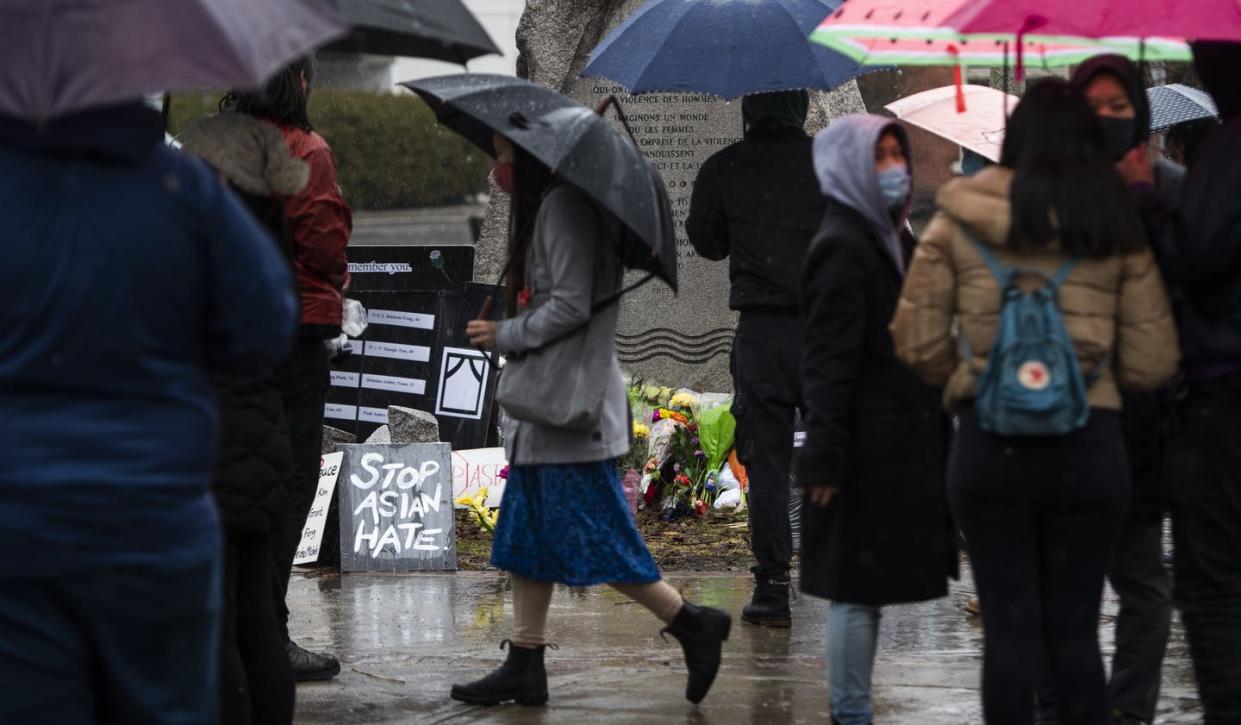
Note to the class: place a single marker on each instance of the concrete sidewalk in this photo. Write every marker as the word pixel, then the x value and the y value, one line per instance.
pixel 403 640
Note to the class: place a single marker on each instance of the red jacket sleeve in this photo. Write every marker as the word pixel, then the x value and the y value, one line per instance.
pixel 321 224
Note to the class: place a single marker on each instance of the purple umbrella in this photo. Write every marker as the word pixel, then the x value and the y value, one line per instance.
pixel 65 55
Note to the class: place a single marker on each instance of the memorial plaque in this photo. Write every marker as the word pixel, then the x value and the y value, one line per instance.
pixel 675 340
pixel 396 507
pixel 683 339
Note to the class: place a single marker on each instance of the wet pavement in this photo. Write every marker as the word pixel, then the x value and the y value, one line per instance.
pixel 403 640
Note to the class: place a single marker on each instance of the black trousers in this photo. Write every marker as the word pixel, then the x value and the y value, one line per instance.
pixel 1204 475
pixel 256 684
pixel 1041 516
pixel 1144 587
pixel 767 382
pixel 304 381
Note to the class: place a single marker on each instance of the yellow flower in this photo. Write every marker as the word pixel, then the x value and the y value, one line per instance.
pixel 683 400
pixel 641 430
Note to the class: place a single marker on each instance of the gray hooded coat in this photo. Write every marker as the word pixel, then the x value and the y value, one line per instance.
pixel 873 430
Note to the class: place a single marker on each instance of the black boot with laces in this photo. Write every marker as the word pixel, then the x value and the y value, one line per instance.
pixel 522 679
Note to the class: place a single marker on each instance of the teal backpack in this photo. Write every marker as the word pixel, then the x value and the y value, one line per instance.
pixel 1033 384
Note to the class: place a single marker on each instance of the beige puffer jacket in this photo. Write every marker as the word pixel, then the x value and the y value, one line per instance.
pixel 1115 309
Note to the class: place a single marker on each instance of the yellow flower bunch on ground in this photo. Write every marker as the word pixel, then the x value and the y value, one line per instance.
pixel 641 430
pixel 477 504
pixel 683 400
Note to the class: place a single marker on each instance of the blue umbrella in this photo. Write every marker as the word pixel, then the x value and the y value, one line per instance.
pixel 726 48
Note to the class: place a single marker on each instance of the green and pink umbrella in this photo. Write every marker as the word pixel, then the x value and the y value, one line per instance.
pixel 1151 19
pixel 922 32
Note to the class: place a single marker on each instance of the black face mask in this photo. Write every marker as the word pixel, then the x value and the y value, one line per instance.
pixel 1118 135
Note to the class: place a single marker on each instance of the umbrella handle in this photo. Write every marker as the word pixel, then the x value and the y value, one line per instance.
pixel 611 101
pixel 488 304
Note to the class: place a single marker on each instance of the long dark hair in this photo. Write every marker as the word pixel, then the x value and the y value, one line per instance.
pixel 282 100
pixel 531 180
pixel 1065 186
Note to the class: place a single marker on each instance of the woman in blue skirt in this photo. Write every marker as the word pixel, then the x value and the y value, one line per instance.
pixel 564 517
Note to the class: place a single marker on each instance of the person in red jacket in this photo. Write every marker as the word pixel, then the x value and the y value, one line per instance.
pixel 320 223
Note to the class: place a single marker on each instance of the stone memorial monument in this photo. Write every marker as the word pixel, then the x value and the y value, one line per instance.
pixel 679 340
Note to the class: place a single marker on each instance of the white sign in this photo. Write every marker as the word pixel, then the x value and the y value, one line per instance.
pixel 396 351
pixel 411 386
pixel 312 533
pixel 337 411
pixel 399 318
pixel 342 379
pixel 478 468
pixel 373 415
pixel 463 377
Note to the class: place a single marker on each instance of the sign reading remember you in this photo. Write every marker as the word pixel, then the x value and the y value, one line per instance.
pixel 396 509
pixel 316 521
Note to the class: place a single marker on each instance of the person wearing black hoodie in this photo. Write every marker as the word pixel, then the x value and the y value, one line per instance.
pixel 255 460
pixel 1199 245
pixel 1114 88
pixel 757 203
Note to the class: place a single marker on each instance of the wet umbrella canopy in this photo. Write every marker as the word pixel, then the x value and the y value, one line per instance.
pixel 60 56
pixel 581 146
pixel 727 48
pixel 440 29
pixel 1175 103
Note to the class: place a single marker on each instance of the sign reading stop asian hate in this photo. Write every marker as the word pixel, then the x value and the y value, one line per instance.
pixel 396 509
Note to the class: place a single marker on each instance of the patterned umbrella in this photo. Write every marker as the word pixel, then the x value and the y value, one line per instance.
pixel 1195 19
pixel 917 32
pixel 1175 103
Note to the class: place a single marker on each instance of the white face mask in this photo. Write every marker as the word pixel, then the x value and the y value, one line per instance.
pixel 894 186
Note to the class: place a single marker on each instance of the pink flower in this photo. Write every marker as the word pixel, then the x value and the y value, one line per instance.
pixel 655 417
pixel 503 474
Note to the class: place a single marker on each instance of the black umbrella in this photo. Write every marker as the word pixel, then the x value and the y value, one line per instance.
pixel 439 29
pixel 581 146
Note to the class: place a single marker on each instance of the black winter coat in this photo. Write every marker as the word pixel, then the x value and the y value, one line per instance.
pixel 872 429
pixel 1199 249
pixel 254 463
pixel 757 202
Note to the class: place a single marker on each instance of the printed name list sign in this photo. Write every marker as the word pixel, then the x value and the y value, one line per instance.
pixel 396 508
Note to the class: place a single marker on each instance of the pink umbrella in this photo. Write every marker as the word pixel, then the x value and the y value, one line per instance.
pixel 979 129
pixel 1194 19
pixel 919 32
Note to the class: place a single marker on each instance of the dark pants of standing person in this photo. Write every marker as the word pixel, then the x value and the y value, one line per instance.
pixel 304 381
pixel 1144 587
pixel 256 683
pixel 1204 471
pixel 113 647
pixel 766 378
pixel 1041 516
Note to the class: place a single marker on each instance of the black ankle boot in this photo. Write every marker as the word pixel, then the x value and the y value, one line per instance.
pixel 521 678
pixel 770 604
pixel 701 632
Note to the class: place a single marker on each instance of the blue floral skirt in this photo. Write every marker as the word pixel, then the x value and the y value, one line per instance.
pixel 570 524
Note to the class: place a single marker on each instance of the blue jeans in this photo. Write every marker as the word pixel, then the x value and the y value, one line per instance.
pixel 853 630
pixel 112 647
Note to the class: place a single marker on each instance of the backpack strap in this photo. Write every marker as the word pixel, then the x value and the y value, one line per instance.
pixel 1002 274
pixel 1062 274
